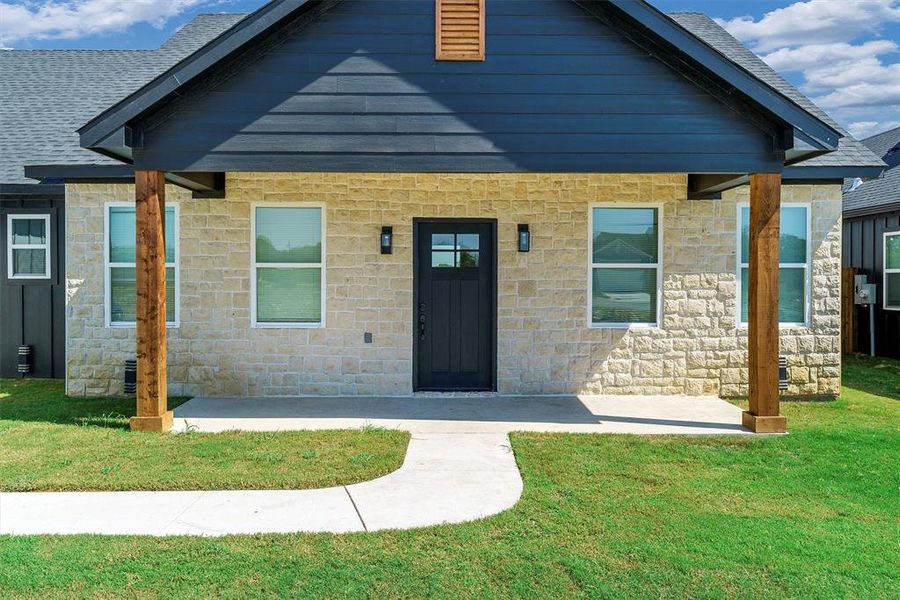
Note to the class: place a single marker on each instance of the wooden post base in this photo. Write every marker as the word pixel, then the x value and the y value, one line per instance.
pixel 159 424
pixel 758 424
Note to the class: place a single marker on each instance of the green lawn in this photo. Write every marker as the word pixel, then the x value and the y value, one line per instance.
pixel 815 514
pixel 50 443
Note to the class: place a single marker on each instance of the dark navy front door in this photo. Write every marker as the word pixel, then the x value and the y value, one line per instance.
pixel 455 307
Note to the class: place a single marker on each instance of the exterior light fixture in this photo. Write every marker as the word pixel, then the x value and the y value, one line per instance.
pixel 524 239
pixel 387 240
pixel 24 366
pixel 130 376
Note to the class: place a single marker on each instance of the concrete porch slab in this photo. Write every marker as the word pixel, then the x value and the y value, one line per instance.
pixel 483 413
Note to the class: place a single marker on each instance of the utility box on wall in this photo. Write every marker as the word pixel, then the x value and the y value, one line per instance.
pixel 865 293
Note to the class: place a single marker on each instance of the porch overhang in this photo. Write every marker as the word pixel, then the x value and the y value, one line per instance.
pixel 202 184
pixel 710 186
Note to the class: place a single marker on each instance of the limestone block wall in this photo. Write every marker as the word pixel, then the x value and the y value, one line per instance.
pixel 544 343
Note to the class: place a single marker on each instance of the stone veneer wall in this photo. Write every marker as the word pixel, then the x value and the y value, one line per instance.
pixel 544 344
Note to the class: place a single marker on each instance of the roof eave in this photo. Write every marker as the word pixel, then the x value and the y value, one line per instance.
pixel 872 210
pixel 107 123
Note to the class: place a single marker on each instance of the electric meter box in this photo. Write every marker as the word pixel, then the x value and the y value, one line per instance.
pixel 864 292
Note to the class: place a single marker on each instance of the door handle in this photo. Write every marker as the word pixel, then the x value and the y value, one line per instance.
pixel 421 327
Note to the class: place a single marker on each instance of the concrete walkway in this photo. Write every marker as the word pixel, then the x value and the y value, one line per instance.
pixel 459 466
pixel 446 478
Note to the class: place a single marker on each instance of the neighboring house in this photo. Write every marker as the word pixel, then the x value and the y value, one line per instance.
pixel 371 198
pixel 872 243
pixel 45 95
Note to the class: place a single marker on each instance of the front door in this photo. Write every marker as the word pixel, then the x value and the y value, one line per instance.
pixel 455 305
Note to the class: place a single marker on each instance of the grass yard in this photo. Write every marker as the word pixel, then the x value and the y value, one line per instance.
pixel 50 443
pixel 815 514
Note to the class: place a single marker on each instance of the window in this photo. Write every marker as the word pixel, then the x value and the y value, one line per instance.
pixel 28 246
pixel 459 29
pixel 794 269
pixel 892 271
pixel 121 283
pixel 288 266
pixel 454 250
pixel 626 270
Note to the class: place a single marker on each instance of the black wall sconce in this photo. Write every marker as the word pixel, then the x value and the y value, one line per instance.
pixel 387 240
pixel 524 239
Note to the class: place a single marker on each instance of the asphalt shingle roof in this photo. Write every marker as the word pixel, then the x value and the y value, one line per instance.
pixel 45 95
pixel 884 193
pixel 48 94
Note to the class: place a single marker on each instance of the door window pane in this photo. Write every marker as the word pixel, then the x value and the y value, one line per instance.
pixel 467 241
pixel 442 241
pixel 443 260
pixel 624 296
pixel 289 295
pixel 468 259
pixel 791 295
pixel 625 235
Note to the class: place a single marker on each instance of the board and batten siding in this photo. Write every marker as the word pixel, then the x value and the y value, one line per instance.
pixel 359 89
pixel 33 311
pixel 863 239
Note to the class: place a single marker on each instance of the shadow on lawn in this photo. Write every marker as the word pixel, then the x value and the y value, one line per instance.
pixel 877 376
pixel 44 401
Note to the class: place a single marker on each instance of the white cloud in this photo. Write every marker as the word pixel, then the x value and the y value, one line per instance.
pixel 864 129
pixel 814 22
pixel 73 19
pixel 834 46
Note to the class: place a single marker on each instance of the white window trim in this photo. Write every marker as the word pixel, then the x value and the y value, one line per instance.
pixel 807 266
pixel 48 268
pixel 884 256
pixel 253 265
pixel 108 265
pixel 657 265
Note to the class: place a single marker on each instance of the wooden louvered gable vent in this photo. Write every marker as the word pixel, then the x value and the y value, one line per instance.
pixel 459 30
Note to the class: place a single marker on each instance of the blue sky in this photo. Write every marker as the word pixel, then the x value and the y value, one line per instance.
pixel 845 54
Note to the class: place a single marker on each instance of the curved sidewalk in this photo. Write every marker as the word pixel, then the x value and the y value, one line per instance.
pixel 445 478
pixel 459 466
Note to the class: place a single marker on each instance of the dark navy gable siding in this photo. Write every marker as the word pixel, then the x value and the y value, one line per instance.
pixel 360 90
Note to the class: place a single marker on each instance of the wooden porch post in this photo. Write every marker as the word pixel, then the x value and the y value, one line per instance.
pixel 150 214
pixel 765 231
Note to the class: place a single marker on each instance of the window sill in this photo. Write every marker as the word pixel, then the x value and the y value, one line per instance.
pixel 623 326
pixel 134 325
pixel 288 326
pixel 745 326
